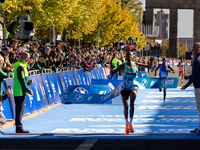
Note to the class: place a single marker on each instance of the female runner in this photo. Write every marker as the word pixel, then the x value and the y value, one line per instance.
pixel 129 69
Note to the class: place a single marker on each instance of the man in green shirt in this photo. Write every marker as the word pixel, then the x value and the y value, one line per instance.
pixel 21 89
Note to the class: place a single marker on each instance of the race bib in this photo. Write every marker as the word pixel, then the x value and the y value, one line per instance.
pixel 130 75
pixel 163 74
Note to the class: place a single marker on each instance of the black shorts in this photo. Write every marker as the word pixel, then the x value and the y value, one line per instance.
pixel 125 93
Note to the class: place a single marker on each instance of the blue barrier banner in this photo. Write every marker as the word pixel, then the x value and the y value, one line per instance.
pixel 100 72
pixel 7 110
pixel 36 101
pixel 10 82
pixel 145 83
pixel 111 82
pixel 64 75
pixel 58 84
pixel 47 89
pixel 62 81
pixel 82 78
pixel 141 74
pixel 90 98
pixel 90 89
pixel 42 89
pixel 54 88
pixel 70 77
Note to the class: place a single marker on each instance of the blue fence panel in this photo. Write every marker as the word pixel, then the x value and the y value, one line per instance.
pixel 62 81
pixel 70 78
pixel 92 74
pixel 64 75
pixel 10 82
pixel 58 83
pixel 54 88
pixel 7 110
pixel 83 79
pixel 100 73
pixel 48 89
pixel 37 102
pixel 42 88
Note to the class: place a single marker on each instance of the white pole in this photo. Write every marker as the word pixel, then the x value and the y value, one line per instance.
pixel 98 39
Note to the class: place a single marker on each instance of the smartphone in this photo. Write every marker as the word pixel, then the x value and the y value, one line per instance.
pixel 9 87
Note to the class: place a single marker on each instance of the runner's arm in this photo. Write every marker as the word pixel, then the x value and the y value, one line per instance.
pixel 157 68
pixel 171 68
pixel 120 67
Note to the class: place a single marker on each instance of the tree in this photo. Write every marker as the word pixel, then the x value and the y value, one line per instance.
pixel 135 6
pixel 80 19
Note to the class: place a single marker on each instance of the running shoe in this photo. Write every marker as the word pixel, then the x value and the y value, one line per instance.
pixel 131 128
pixel 179 77
pixel 181 81
pixel 127 129
pixel 194 131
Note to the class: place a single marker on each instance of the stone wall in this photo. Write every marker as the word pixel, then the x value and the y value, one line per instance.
pixel 179 4
pixel 173 6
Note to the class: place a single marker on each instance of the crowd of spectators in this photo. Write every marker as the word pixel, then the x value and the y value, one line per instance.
pixel 52 56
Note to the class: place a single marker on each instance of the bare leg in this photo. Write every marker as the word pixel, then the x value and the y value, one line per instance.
pixel 125 104
pixel 133 95
pixel 165 93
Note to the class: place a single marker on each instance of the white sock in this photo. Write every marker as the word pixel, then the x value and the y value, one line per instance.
pixel 126 121
pixel 131 120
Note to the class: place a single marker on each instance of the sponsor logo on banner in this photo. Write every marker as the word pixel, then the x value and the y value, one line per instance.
pixel 31 99
pixel 53 88
pixel 78 97
pixel 151 83
pixel 80 90
pixel 111 86
pixel 144 82
pixel 38 96
pixel 46 82
pixel 64 97
pixel 42 90
pixel 84 81
pixel 59 88
pixel 102 92
pixel 104 98
pixel 70 81
pixel 89 98
pixel 79 78
pixel 127 84
pixel 167 82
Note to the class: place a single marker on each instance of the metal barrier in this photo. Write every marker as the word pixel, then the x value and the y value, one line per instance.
pixel 34 72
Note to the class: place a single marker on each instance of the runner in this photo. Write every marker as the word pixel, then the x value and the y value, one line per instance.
pixel 129 69
pixel 163 73
pixel 181 66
